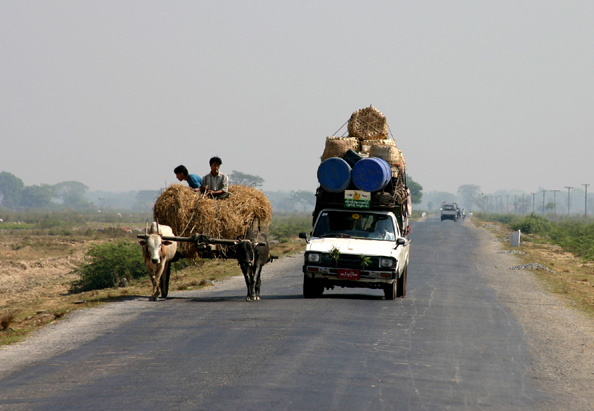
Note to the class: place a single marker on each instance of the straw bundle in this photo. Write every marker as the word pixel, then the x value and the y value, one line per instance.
pixel 338 146
pixel 392 155
pixel 367 144
pixel 368 124
pixel 189 213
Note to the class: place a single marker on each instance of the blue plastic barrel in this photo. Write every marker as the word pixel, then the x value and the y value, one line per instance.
pixel 371 174
pixel 334 174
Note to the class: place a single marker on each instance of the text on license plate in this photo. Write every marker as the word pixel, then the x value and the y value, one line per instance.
pixel 348 274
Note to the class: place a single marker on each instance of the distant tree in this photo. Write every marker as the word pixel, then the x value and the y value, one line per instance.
pixel 242 179
pixel 435 198
pixel 416 190
pixel 72 195
pixel 145 199
pixel 467 194
pixel 11 188
pixel 307 199
pixel 37 196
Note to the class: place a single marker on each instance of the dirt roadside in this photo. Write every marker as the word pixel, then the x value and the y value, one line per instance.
pixel 560 338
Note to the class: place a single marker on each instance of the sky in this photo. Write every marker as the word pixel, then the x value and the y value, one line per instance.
pixel 116 94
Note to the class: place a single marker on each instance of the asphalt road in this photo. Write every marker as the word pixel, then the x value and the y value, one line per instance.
pixel 449 344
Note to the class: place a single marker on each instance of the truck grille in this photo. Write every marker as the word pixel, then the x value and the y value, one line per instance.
pixel 350 261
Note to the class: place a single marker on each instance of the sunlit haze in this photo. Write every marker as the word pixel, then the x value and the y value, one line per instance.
pixel 115 94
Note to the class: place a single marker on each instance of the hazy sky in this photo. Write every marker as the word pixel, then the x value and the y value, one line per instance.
pixel 115 94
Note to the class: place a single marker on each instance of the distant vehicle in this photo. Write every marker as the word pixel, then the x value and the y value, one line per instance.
pixel 449 211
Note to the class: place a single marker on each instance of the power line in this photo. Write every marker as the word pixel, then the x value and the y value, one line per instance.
pixel 586 206
pixel 555 199
pixel 568 199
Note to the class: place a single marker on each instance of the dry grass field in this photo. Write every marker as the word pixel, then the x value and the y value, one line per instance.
pixel 37 270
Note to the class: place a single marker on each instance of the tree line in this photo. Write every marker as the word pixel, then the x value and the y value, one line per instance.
pixel 15 195
pixel 74 195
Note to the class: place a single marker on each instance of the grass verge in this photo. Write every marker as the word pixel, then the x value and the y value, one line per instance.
pixel 572 276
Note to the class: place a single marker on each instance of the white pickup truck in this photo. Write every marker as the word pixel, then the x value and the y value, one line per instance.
pixel 355 248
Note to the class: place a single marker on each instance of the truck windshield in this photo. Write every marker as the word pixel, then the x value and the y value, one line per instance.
pixel 355 225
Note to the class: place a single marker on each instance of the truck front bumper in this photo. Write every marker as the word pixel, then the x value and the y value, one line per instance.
pixel 380 277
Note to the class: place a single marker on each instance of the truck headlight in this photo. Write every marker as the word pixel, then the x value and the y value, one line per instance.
pixel 313 257
pixel 387 262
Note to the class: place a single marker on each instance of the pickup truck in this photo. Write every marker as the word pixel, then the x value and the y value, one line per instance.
pixel 449 212
pixel 355 248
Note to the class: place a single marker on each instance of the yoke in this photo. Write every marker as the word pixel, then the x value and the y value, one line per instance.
pixel 206 245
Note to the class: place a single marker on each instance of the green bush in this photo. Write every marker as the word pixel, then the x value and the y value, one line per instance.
pixel 576 237
pixel 108 265
pixel 286 227
pixel 573 235
pixel 532 224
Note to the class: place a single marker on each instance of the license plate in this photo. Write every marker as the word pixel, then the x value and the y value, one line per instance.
pixel 348 274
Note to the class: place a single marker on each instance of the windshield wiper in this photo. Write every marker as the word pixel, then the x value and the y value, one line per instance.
pixel 338 235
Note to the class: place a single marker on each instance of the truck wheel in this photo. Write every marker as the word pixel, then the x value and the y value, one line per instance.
pixel 390 291
pixel 312 288
pixel 402 284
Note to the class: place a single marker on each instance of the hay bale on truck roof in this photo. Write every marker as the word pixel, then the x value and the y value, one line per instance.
pixel 189 213
pixel 368 124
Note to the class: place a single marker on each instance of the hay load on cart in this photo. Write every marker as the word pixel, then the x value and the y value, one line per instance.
pixel 191 214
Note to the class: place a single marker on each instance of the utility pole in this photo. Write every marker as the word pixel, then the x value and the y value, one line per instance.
pixel 568 198
pixel 555 200
pixel 543 200
pixel 586 207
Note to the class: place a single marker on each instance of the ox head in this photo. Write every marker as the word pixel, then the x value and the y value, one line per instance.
pixel 153 243
pixel 246 253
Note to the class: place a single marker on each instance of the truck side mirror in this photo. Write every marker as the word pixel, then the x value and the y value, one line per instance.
pixel 400 241
pixel 304 236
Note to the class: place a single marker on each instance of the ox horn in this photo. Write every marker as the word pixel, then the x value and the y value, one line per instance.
pixel 146 229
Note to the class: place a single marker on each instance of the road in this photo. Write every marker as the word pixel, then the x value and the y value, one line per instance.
pixel 451 343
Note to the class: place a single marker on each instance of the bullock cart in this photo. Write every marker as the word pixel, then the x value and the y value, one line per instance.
pixel 206 227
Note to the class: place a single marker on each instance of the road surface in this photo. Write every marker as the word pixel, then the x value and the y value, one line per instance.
pixel 452 343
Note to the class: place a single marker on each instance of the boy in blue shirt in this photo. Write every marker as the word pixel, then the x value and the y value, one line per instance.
pixel 194 181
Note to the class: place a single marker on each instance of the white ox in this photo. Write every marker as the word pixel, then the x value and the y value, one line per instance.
pixel 157 254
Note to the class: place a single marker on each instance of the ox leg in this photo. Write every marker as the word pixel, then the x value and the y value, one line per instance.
pixel 156 280
pixel 155 293
pixel 164 283
pixel 246 276
pixel 252 284
pixel 258 282
pixel 155 288
pixel 152 274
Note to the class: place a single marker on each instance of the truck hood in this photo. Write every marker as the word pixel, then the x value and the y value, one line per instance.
pixel 352 246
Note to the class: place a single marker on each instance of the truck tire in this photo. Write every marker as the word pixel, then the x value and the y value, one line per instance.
pixel 312 288
pixel 390 291
pixel 401 292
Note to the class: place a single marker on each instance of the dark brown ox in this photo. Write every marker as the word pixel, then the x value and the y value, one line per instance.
pixel 253 252
pixel 157 254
